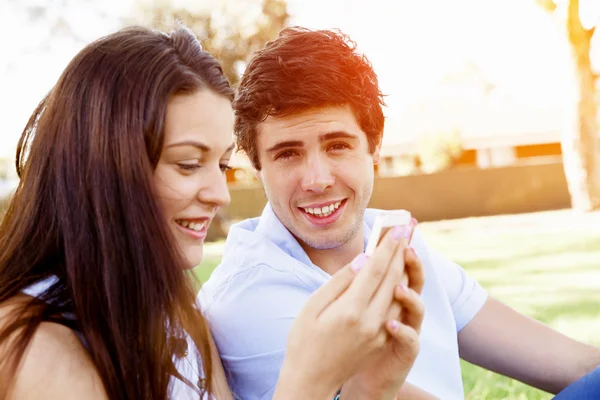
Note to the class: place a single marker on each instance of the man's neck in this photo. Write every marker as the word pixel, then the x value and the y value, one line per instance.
pixel 332 260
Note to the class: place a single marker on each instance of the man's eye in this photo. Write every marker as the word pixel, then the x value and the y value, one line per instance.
pixel 286 155
pixel 339 146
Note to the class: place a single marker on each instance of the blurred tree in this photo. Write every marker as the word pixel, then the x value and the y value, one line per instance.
pixel 82 21
pixel 52 25
pixel 581 143
pixel 231 30
pixel 439 151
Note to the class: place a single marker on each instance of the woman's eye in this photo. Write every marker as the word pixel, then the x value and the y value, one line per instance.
pixel 224 167
pixel 188 167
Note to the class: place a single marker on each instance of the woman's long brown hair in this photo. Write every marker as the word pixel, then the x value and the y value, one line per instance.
pixel 85 211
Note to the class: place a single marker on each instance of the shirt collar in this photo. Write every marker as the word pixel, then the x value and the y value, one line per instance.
pixel 271 227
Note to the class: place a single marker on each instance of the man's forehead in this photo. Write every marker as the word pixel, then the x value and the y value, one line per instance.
pixel 314 121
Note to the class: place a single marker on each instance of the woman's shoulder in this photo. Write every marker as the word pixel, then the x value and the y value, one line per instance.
pixel 55 364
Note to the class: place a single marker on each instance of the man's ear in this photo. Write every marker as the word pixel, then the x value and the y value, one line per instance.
pixel 377 153
pixel 257 174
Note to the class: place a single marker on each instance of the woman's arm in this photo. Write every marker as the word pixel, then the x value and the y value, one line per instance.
pixel 56 365
pixel 220 386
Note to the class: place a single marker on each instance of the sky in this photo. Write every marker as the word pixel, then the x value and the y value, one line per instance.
pixel 412 45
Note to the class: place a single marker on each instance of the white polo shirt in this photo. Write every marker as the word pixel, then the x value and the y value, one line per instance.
pixel 264 279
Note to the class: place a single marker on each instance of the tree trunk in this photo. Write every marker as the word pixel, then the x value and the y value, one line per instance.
pixel 581 143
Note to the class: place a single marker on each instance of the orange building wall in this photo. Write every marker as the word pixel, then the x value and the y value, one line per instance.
pixel 468 157
pixel 538 150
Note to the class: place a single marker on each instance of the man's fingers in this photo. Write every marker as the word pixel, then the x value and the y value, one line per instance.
pixel 413 225
pixel 413 309
pixel 371 275
pixel 394 311
pixel 414 270
pixel 382 299
pixel 407 337
pixel 335 287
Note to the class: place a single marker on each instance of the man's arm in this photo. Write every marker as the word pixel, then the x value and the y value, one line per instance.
pixel 412 392
pixel 502 340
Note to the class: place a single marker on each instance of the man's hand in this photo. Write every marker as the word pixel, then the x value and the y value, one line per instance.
pixel 345 323
pixel 384 373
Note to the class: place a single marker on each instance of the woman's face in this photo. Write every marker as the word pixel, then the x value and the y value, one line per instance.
pixel 190 175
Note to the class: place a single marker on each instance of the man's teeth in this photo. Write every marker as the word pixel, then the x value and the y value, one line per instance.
pixel 323 211
pixel 195 226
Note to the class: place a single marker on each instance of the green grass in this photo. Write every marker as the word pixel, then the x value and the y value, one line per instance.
pixel 546 265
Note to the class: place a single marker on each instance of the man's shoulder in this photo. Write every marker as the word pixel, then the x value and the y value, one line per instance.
pixel 248 253
pixel 256 299
pixel 242 280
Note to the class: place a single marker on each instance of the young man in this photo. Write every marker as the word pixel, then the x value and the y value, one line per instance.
pixel 309 116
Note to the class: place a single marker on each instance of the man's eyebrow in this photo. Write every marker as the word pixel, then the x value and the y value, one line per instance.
pixel 323 138
pixel 337 135
pixel 284 145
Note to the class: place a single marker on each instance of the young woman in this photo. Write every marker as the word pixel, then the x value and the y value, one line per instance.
pixel 121 169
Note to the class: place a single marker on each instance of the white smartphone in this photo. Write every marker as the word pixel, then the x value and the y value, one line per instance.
pixel 383 222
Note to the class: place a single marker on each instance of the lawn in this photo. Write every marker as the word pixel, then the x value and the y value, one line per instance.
pixel 546 265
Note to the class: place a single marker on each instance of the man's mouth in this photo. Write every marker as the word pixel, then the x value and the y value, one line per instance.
pixel 323 211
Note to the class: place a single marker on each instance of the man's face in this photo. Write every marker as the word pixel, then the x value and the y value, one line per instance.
pixel 318 174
